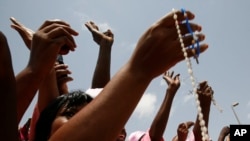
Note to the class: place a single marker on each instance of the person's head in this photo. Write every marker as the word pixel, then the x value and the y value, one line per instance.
pixel 59 112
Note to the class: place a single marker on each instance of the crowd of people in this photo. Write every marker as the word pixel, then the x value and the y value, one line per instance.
pixel 101 112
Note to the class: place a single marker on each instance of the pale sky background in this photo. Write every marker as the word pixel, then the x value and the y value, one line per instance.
pixel 225 65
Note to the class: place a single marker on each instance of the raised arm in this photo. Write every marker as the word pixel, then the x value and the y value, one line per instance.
pixel 159 123
pixel 49 39
pixel 225 131
pixel 205 93
pixel 120 96
pixel 105 40
pixel 182 131
pixel 8 106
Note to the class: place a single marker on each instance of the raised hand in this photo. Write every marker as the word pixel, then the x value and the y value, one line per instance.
pixel 25 33
pixel 205 93
pixel 62 75
pixel 159 48
pixel 182 130
pixel 102 39
pixel 49 41
pixel 173 82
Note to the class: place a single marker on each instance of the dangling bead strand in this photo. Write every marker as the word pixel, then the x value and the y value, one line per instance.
pixel 204 130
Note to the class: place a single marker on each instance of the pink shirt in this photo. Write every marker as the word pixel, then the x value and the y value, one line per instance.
pixel 191 137
pixel 140 136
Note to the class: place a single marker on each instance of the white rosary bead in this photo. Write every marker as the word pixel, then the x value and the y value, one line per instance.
pixel 202 123
pixel 180 39
pixel 199 109
pixel 182 45
pixel 183 49
pixel 185 54
pixel 204 129
pixel 203 134
pixel 175 16
pixel 190 71
pixel 196 96
pixel 198 103
pixel 179 32
pixel 200 116
pixel 193 84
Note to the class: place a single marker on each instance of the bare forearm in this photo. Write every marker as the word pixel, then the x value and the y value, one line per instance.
pixel 48 90
pixel 8 108
pixel 197 127
pixel 159 124
pixel 113 105
pixel 27 85
pixel 223 133
pixel 102 71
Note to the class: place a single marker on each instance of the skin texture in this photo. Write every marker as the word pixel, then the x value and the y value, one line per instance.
pixel 205 93
pixel 8 130
pixel 60 68
pixel 159 41
pixel 182 131
pixel 47 90
pixel 49 38
pixel 157 50
pixel 159 123
pixel 63 118
pixel 24 32
pixel 55 83
pixel 224 134
pixel 105 41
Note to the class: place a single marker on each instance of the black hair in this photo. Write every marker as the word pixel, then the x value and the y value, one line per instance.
pixel 48 115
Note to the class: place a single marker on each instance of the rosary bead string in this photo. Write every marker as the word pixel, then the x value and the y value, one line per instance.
pixel 204 130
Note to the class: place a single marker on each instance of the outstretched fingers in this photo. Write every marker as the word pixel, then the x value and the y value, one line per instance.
pixel 91 26
pixel 23 31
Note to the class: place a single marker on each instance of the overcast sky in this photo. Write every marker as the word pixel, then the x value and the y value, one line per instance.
pixel 225 65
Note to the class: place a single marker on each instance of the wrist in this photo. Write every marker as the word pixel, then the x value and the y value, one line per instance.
pixel 138 73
